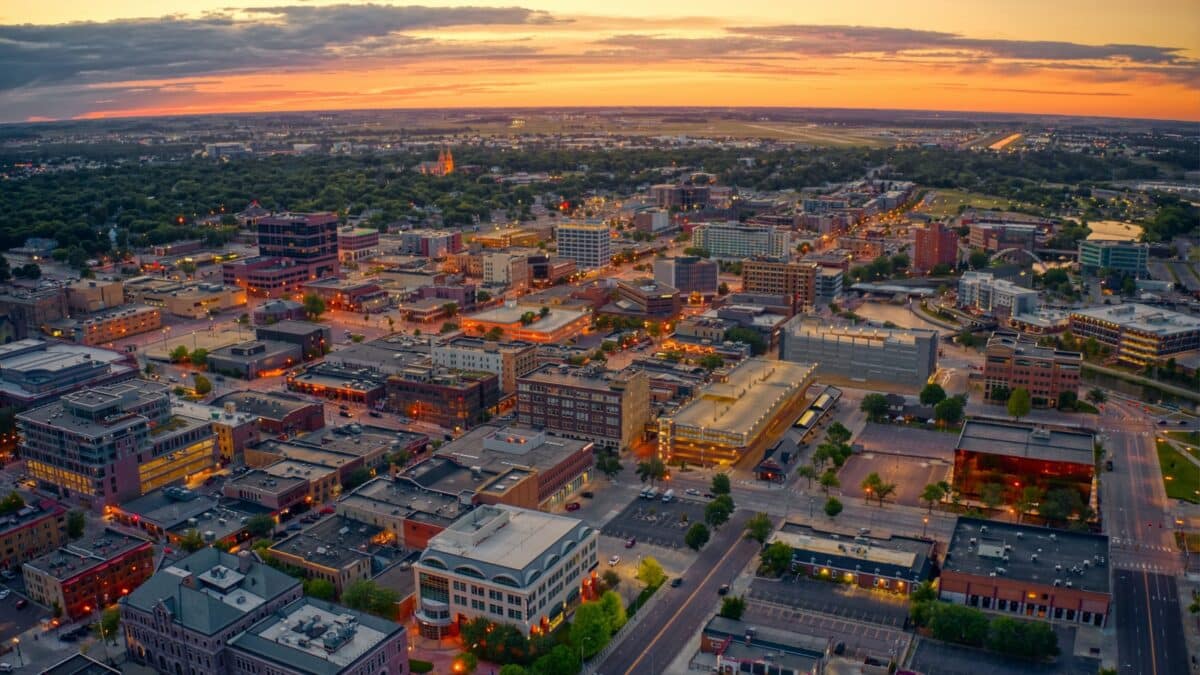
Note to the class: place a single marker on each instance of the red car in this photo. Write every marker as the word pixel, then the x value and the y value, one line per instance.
pixel 573 506
pixel 631 542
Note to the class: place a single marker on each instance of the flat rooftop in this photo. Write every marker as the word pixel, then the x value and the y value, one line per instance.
pixel 1027 347
pixel 513 545
pixel 294 327
pixel 817 328
pixel 558 317
pixel 334 542
pixel 270 405
pixel 1014 439
pixel 979 547
pixel 1143 318
pixel 397 497
pixel 586 377
pixel 754 388
pixel 35 508
pixel 897 557
pixel 82 555
pixel 496 449
pixel 314 637
pixel 169 507
pixel 258 479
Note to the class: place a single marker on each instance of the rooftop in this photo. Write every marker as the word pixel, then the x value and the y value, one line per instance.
pixel 504 536
pixel 585 377
pixel 814 327
pixel 85 554
pixel 271 405
pixel 79 664
pixel 750 390
pixel 294 327
pixel 1026 440
pixel 558 317
pixel 1143 318
pixel 896 557
pixel 206 592
pixel 169 507
pixel 496 449
pixel 396 497
pixel 333 542
pixel 1033 554
pixel 34 509
pixel 257 479
pixel 314 637
pixel 1028 347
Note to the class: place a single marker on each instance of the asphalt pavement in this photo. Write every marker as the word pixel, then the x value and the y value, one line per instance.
pixel 1150 637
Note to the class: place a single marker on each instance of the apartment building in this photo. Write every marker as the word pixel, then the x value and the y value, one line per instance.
pixel 507 360
pixel 35 529
pixel 588 244
pixel 107 325
pixel 357 243
pixel 589 403
pixel 90 574
pixel 1012 361
pixel 774 276
pixel 735 241
pixel 982 291
pixel 933 245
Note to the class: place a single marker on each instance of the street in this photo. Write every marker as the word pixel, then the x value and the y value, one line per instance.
pixel 1149 633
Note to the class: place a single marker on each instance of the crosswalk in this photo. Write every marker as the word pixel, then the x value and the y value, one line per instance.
pixel 1132 544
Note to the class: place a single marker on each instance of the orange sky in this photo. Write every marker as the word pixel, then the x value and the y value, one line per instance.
pixel 73 58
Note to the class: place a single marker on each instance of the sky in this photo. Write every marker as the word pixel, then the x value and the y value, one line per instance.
pixel 94 58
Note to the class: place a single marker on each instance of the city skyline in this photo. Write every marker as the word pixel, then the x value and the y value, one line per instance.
pixel 139 58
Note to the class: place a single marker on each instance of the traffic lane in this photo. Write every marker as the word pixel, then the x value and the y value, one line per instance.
pixel 1167 622
pixel 682 611
pixel 1149 630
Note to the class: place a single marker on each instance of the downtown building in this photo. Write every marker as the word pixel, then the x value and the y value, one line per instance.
pixel 507 360
pixel 732 240
pixel 1138 334
pixel 934 245
pixel 882 356
pixel 90 574
pixel 983 292
pixel 588 244
pixel 293 249
pixel 1126 257
pixel 507 565
pixel 587 403
pixel 112 443
pixel 796 280
pixel 690 274
pixel 1012 362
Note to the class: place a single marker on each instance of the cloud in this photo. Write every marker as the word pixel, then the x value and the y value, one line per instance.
pixel 257 38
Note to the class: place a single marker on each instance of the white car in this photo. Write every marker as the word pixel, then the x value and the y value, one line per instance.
pixel 5 593
pixel 693 491
pixel 614 560
pixel 6 667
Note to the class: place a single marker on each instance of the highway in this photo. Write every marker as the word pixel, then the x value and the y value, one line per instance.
pixel 681 612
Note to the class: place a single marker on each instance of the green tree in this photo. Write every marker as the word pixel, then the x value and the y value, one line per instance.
pixel 450 309
pixel 721 484
pixel 777 558
pixel 367 596
pixel 875 406
pixel 356 478
pixel 1097 395
pixel 590 629
pixel 696 536
pixel 717 512
pixel 191 541
pixel 960 624
pixel 261 525
pixel 749 336
pixel 75 524
pixel 829 480
pixel 711 361
pixel 1000 394
pixel 651 573
pixel 201 384
pixel 932 394
pixel 1019 403
pixel 314 306
pixel 932 494
pixel 733 607
pixel 608 464
pixel 759 527
pixel 1068 400
pixel 321 589
pixel 179 354
pixel 561 660
pixel 833 507
pixel 1031 496
pixel 991 494
pixel 465 662
pixel 949 411
pixel 614 609
pixel 611 578
pixel 978 259
pixel 652 470
pixel 108 625
pixel 723 289
pixel 11 504
pixel 809 472
pixel 512 668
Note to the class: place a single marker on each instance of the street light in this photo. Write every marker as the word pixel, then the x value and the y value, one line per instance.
pixel 20 660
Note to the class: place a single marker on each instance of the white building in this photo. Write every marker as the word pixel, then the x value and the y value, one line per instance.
pixel 508 360
pixel 984 292
pixel 588 244
pixel 506 269
pixel 505 564
pixel 734 240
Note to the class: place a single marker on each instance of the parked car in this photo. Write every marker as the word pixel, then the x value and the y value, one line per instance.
pixel 693 492
pixel 723 590
pixel 631 542
pixel 676 582
pixel 375 413
pixel 614 560
pixel 587 494
pixel 345 413
pixel 573 506
pixel 5 593
pixel 21 604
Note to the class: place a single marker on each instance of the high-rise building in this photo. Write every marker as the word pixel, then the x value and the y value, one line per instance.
pixel 934 245
pixel 1012 361
pixel 1126 257
pixel 588 244
pixel 690 274
pixel 780 276
pixel 734 240
pixel 589 403
pixel 112 443
pixel 293 248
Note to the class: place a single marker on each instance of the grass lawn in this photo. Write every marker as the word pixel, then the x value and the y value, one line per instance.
pixel 1180 475
pixel 947 202
pixel 1192 437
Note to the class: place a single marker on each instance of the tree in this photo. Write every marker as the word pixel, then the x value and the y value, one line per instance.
pixel 482 296
pixel 833 507
pixel 959 623
pixel 829 480
pixel 512 668
pixel 608 464
pixel 777 558
pixel 837 433
pixel 544 312
pixel 108 625
pixel 321 589
pixel 733 607
pixel 723 289
pixel 809 472
pixel 201 384
pixel 199 357
pixel 991 494
pixel 261 525
pixel 999 394
pixel 711 361
pixel 717 512
pixel 367 596
pixel 1019 403
pixel 759 528
pixel 11 503
pixel 721 484
pixel 748 336
pixel 356 478
pixel 651 573
pixel 450 309
pixel 924 592
pixel 932 394
pixel 1035 641
pixel 1031 496
pixel 611 578
pixel 875 406
pixel 75 524
pixel 191 541
pixel 1067 400
pixel 590 629
pixel 561 660
pixel 465 662
pixel 871 485
pixel 696 536
pixel 1097 395
pixel 949 411
pixel 652 470
pixel 494 334
pixel 179 354
pixel 314 306
pixel 932 494
pixel 978 259
pixel 1060 504
pixel 614 609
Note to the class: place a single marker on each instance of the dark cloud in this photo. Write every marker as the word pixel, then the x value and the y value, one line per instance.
pixel 273 37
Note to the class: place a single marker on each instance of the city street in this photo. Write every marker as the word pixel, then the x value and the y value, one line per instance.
pixel 1149 634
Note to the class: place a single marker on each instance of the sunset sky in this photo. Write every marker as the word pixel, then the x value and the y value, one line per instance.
pixel 92 58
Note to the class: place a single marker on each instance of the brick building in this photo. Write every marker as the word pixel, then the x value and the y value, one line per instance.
pixel 590 403
pixel 89 574
pixel 1012 361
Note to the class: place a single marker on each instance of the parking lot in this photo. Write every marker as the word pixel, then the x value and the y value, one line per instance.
pixel 841 600
pixel 938 658
pixel 13 621
pixel 859 639
pixel 893 439
pixel 653 522
pixel 909 474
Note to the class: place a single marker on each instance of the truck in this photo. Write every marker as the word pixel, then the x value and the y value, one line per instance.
pixel 668 496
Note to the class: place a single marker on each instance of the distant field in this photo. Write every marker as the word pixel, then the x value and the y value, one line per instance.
pixel 941 203
pixel 803 133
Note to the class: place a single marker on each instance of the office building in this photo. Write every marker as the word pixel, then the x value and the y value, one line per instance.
pixel 589 403
pixel 1013 362
pixel 357 243
pixel 983 292
pixel 881 356
pixel 1000 236
pixel 337 549
pixel 588 244
pixel 644 300
pixel 254 358
pixel 508 565
pixel 506 269
pixel 681 196
pixel 107 326
pixel 453 399
pixel 550 269
pixel 735 241
pixel 506 238
pixel 410 513
pixel 293 249
pixel 351 296
pixel 894 564
pixel 430 243
pixel 313 339
pixel 115 442
pixel 28 311
pixel 365 386
pixel 235 430
pixel 279 493
pixel 90 574
pixel 653 221
pixel 797 280
pixel 692 275
pixel 182 619
pixel 36 371
pixel 526 323
pixel 829 286
pixel 1124 257
pixel 273 311
pixel 314 637
pixel 277 413
pixel 507 360
pixel 730 419
pixel 1028 572
pixel 1137 334
pixel 33 530
pixel 94 295
pixel 1017 455
pixel 934 244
